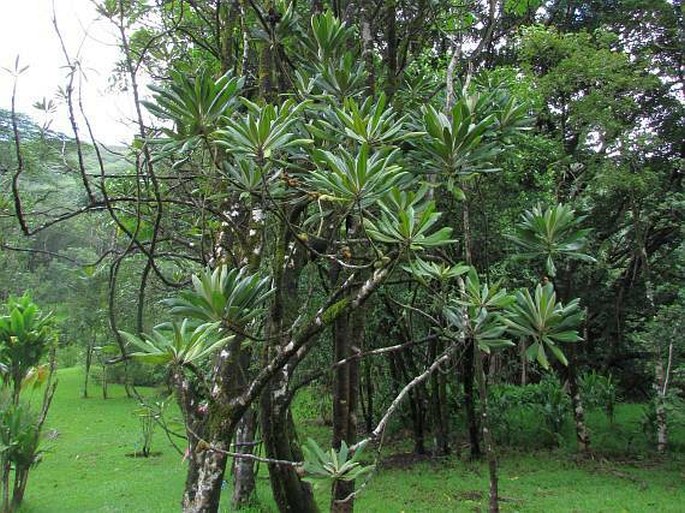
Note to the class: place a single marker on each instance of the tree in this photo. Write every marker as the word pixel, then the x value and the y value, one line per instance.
pixel 553 233
pixel 305 186
pixel 615 114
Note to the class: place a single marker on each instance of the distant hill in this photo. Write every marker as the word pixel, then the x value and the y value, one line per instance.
pixel 28 129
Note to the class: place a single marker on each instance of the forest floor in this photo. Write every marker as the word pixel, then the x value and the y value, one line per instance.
pixel 88 468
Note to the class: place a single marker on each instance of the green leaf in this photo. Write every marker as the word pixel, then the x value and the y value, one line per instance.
pixel 230 296
pixel 544 320
pixel 551 233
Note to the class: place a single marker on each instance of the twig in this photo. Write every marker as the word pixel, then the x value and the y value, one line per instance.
pixel 20 160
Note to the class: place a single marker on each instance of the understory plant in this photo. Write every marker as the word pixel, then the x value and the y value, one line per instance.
pixel 331 466
pixel 25 339
pixel 149 415
pixel 600 392
pixel 513 405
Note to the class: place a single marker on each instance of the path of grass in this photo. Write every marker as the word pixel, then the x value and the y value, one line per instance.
pixel 87 471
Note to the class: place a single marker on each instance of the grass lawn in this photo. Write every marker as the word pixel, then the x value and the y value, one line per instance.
pixel 87 470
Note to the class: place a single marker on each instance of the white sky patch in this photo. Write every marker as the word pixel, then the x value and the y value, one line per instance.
pixel 26 30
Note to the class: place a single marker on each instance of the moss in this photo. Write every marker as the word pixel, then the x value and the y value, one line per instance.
pixel 220 416
pixel 333 311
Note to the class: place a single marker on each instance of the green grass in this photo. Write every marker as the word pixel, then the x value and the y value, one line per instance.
pixel 87 470
pixel 86 467
pixel 539 483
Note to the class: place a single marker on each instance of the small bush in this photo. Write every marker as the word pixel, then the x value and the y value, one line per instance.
pixel 516 412
pixel 68 356
pixel 136 373
pixel 599 392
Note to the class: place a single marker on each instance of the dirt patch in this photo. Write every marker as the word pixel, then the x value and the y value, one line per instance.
pixel 154 454
pixel 470 495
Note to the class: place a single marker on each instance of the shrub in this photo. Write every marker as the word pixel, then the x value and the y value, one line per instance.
pixel 25 339
pixel 136 373
pixel 599 392
pixel 68 356
pixel 513 408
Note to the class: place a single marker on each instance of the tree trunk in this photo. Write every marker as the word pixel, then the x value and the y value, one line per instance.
pixel 104 380
pixel 524 363
pixel 470 403
pixel 6 467
pixel 570 373
pixel 217 423
pixel 661 418
pixel 194 421
pixel 88 363
pixel 345 399
pixel 582 433
pixel 493 501
pixel 661 375
pixel 417 399
pixel 206 466
pixel 21 476
pixel 369 389
pixel 391 48
pixel 439 406
pixel 128 381
pixel 211 466
pixel 291 494
pixel 365 13
pixel 266 71
pixel 243 468
pixel 471 359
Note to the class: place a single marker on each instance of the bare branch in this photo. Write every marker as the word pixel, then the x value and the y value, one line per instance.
pixel 382 424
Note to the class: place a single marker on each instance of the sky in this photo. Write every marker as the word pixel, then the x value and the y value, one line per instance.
pixel 26 30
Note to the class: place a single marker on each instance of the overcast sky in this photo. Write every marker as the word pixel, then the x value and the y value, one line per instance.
pixel 26 30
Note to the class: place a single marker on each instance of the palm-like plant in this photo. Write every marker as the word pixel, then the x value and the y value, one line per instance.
pixel 251 179
pixel 440 272
pixel 511 114
pixel 341 465
pixel 19 433
pixel 194 104
pixel 456 143
pixel 551 233
pixel 263 131
pixel 342 79
pixel 24 338
pixel 545 321
pixel 369 123
pixel 478 313
pixel 360 179
pixel 332 70
pixel 328 38
pixel 176 344
pixel 477 129
pixel 407 222
pixel 230 296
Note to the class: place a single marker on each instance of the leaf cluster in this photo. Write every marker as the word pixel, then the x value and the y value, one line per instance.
pixel 341 465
